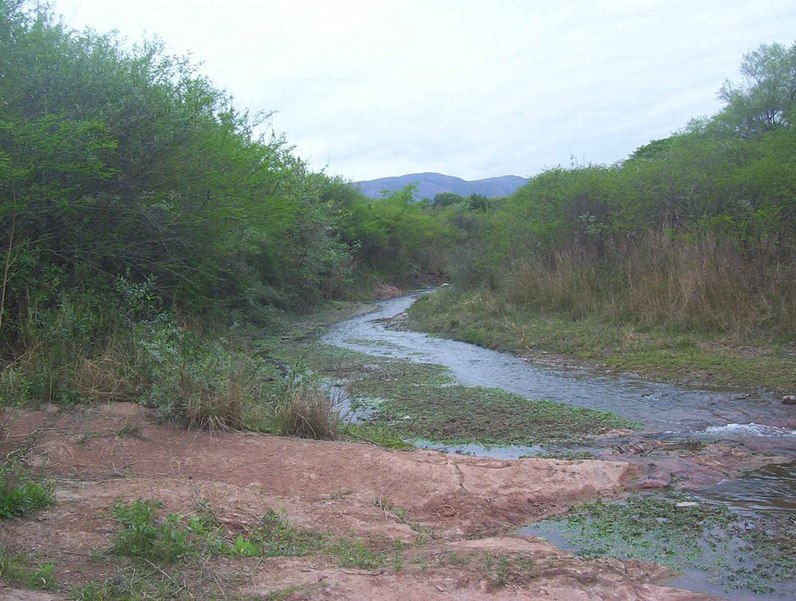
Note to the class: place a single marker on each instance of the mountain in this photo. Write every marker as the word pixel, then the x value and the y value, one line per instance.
pixel 429 184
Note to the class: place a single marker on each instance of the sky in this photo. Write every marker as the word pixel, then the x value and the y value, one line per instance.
pixel 471 88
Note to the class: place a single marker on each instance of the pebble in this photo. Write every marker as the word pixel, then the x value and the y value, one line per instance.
pixel 789 399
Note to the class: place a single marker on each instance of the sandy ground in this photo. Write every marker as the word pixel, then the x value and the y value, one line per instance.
pixel 461 507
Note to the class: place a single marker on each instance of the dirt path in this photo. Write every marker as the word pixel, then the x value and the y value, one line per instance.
pixel 451 513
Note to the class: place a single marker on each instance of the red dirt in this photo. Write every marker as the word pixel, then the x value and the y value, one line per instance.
pixel 118 452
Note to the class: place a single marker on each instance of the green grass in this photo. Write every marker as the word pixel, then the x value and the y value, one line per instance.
pixel 167 539
pixel 135 583
pixel 22 493
pixel 145 537
pixel 419 401
pixel 736 552
pixel 405 400
pixel 662 353
pixel 20 569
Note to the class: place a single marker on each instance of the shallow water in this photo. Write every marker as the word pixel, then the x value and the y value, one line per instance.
pixel 660 407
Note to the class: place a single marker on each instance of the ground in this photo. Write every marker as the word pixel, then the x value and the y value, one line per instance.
pixel 439 526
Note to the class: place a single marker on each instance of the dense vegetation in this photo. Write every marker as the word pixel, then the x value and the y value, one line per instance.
pixel 692 233
pixel 695 230
pixel 144 220
pixel 138 203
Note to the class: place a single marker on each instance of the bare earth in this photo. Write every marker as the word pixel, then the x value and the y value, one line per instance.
pixel 465 508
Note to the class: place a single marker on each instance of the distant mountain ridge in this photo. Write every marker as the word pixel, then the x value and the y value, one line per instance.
pixel 430 184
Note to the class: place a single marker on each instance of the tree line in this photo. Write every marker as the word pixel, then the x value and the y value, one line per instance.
pixel 694 230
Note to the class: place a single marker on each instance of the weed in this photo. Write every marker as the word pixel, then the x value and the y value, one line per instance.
pixel 456 414
pixel 276 537
pixel 377 434
pixel 147 538
pixel 42 578
pixel 22 493
pixel 354 554
pixel 734 551
pixel 20 569
pixel 133 583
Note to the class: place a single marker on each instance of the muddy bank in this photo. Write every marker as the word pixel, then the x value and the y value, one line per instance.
pixel 447 512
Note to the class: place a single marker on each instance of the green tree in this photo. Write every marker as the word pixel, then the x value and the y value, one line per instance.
pixel 765 99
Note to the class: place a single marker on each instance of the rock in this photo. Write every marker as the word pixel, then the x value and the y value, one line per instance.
pixel 789 399
pixel 686 505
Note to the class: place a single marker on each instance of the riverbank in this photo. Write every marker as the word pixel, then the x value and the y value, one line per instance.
pixel 684 357
pixel 276 518
pixel 249 515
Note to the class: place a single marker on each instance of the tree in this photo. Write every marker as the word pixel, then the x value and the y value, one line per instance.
pixel 766 98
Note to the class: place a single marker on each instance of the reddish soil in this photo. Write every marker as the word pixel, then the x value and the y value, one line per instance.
pixel 465 507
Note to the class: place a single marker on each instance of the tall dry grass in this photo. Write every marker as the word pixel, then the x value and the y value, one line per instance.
pixel 696 282
pixel 305 411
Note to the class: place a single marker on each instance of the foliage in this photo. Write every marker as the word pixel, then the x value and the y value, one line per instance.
pixel 138 200
pixel 22 493
pixel 304 410
pixel 145 538
pixel 693 231
pixel 20 569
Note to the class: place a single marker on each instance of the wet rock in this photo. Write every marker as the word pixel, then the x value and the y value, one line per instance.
pixel 686 505
pixel 789 399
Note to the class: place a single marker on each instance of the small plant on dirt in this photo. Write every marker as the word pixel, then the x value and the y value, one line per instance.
pixel 145 537
pixel 277 537
pixel 21 570
pixel 22 493
pixel 354 554
pixel 135 583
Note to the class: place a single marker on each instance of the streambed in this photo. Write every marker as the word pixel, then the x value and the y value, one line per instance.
pixel 754 420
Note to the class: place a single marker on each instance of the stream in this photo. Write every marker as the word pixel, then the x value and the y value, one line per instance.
pixel 664 409
pixel 754 419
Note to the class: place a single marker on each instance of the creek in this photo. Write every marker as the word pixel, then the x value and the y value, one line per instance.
pixel 753 419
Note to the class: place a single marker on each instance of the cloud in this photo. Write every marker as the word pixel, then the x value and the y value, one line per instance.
pixel 465 87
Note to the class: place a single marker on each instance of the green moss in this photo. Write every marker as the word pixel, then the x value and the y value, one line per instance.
pixel 736 552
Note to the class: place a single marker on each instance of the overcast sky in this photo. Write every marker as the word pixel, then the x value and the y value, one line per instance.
pixel 472 88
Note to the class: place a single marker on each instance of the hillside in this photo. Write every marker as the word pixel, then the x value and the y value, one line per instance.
pixel 429 184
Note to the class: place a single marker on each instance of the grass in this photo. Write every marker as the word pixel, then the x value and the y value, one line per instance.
pixel 20 569
pixel 419 401
pixel 134 583
pixel 736 553
pixel 166 539
pixel 397 400
pixel 22 493
pixel 144 537
pixel 659 352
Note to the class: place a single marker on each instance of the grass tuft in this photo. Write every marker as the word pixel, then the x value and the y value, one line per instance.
pixel 22 493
